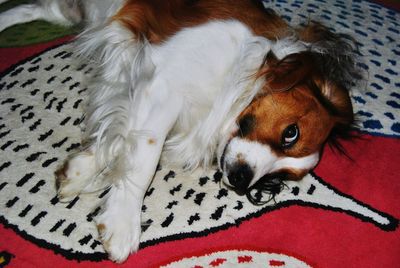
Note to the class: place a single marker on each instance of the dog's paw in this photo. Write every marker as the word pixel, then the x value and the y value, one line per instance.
pixel 75 175
pixel 120 237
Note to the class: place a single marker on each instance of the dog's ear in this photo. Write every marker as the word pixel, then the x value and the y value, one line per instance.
pixel 284 74
pixel 334 54
pixel 336 100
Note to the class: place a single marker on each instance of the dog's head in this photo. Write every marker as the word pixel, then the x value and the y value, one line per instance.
pixel 303 103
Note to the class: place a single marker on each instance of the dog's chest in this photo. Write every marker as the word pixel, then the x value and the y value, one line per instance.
pixel 195 63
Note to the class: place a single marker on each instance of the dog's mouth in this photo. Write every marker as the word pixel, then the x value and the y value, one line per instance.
pixel 263 190
pixel 266 188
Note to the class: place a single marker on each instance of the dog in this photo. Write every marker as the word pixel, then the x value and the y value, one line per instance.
pixel 198 82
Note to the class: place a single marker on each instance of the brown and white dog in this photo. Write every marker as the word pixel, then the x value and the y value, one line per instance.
pixel 199 81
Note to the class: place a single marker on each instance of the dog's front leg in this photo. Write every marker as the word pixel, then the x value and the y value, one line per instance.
pixel 119 224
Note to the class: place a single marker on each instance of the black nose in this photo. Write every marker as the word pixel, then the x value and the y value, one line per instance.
pixel 240 176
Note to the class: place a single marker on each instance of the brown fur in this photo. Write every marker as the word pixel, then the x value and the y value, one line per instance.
pixel 296 92
pixel 61 176
pixel 274 112
pixel 300 89
pixel 159 19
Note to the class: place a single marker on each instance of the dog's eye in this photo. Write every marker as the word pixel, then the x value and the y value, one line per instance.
pixel 290 136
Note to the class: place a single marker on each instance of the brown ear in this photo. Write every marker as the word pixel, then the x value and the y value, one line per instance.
pixel 284 74
pixel 341 110
pixel 340 99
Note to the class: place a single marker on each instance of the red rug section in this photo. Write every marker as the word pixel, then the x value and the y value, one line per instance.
pixel 393 4
pixel 319 237
pixel 14 55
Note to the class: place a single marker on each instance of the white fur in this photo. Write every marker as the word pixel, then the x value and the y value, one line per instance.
pixel 79 173
pixel 261 159
pixel 182 96
pixel 302 163
pixel 288 46
pixel 217 88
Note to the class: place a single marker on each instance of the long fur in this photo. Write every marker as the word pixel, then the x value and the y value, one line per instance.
pixel 180 86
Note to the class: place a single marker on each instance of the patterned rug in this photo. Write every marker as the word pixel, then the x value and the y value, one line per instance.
pixel 41 106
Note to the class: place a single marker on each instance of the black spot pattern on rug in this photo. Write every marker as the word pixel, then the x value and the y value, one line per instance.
pixel 41 110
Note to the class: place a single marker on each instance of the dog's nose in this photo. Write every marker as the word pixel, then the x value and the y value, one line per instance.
pixel 240 176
